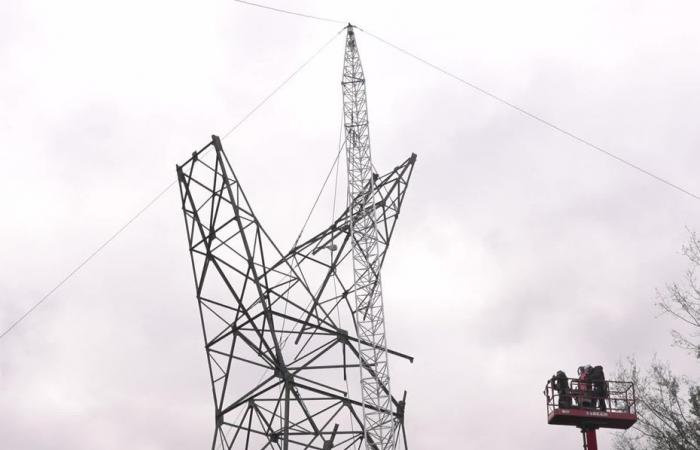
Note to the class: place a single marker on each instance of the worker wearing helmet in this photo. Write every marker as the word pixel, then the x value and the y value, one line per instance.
pixel 596 377
pixel 584 398
pixel 560 383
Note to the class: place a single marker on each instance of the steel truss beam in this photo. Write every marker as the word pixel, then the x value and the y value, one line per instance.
pixel 280 363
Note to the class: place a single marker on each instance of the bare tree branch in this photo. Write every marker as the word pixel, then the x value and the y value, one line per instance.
pixel 668 407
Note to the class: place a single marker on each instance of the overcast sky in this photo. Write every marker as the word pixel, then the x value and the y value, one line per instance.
pixel 519 251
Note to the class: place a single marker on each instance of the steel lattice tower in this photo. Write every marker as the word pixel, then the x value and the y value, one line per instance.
pixel 369 307
pixel 285 353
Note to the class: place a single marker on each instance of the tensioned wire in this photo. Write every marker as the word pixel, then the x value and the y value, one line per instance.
pixel 160 194
pixel 551 125
pixel 294 13
pixel 534 116
pixel 341 143
pixel 283 339
pixel 402 50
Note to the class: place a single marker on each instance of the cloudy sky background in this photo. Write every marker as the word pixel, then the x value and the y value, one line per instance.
pixel 519 251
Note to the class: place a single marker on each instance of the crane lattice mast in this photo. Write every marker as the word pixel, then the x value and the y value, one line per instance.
pixel 378 416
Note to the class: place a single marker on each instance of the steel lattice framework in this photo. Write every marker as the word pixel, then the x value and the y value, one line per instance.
pixel 280 362
pixel 376 391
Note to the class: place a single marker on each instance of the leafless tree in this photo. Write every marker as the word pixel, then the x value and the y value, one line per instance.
pixel 683 302
pixel 668 406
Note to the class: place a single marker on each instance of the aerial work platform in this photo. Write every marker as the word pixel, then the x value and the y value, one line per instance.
pixel 590 405
pixel 595 419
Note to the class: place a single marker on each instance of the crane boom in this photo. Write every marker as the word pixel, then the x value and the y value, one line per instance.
pixel 378 417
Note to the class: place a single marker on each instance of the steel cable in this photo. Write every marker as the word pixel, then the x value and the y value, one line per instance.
pixel 499 99
pixel 85 261
pixel 294 13
pixel 534 116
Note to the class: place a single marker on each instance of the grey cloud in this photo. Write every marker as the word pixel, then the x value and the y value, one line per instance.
pixel 518 252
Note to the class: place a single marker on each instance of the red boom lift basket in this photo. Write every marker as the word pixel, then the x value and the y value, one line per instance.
pixel 586 405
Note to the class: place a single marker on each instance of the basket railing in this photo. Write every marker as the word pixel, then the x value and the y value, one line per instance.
pixel 603 396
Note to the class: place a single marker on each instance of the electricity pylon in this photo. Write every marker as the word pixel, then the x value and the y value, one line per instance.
pixel 283 349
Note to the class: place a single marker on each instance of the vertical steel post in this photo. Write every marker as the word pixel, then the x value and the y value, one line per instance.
pixel 378 417
pixel 590 440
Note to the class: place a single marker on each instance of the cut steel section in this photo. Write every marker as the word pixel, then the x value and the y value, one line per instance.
pixel 279 358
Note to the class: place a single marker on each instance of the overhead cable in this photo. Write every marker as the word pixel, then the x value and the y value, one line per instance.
pixel 499 99
pixel 85 261
pixel 282 84
pixel 534 116
pixel 286 11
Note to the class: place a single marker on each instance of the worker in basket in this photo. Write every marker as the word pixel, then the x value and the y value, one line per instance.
pixel 592 387
pixel 560 384
pixel 600 389
pixel 584 387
